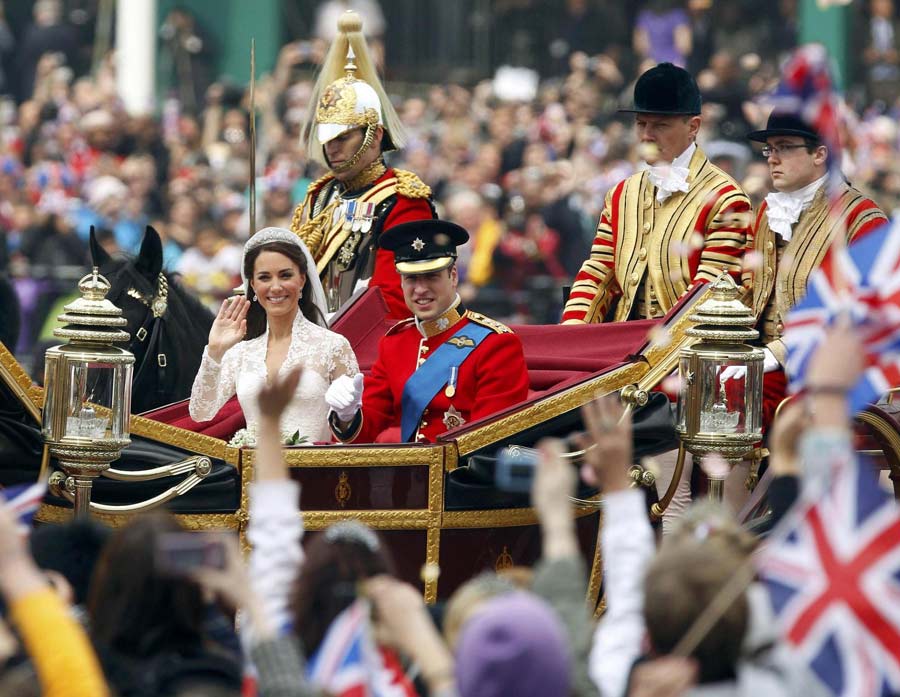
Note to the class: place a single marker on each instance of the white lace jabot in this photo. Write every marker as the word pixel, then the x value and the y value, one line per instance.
pixel 324 355
pixel 671 177
pixel 784 209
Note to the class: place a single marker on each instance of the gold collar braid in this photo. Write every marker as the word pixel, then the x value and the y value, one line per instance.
pixel 448 318
pixel 366 177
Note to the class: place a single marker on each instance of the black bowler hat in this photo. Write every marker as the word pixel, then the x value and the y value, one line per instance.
pixel 665 89
pixel 784 124
pixel 423 246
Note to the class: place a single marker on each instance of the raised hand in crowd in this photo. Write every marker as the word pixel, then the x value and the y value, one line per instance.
pixel 784 441
pixel 230 586
pixel 833 371
pixel 402 622
pixel 273 399
pixel 229 326
pixel 63 658
pixel 554 483
pixel 608 444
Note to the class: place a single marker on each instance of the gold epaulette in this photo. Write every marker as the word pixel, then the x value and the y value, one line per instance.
pixel 318 183
pixel 409 185
pixel 402 324
pixel 493 324
pixel 311 231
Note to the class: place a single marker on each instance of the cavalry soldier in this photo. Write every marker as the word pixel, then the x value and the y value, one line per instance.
pixel 434 372
pixel 793 231
pixel 681 222
pixel 345 211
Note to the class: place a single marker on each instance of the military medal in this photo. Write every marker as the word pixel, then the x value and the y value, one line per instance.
pixel 450 391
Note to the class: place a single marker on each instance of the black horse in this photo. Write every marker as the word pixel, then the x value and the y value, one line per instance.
pixel 168 326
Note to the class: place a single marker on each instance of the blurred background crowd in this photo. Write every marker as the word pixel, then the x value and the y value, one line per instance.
pixel 512 112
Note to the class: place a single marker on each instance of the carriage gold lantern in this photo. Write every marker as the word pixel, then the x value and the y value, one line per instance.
pixel 720 402
pixel 88 388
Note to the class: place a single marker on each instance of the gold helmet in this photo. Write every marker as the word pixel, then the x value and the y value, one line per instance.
pixel 348 95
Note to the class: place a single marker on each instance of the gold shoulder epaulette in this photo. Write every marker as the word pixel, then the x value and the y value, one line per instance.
pixel 317 184
pixel 409 185
pixel 402 324
pixel 479 318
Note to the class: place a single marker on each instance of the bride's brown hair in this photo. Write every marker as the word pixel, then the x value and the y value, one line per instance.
pixel 256 316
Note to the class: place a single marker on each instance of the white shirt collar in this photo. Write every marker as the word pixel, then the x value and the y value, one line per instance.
pixel 671 177
pixel 784 208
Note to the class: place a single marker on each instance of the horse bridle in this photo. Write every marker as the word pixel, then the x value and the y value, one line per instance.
pixel 154 324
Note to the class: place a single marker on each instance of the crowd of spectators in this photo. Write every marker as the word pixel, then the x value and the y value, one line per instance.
pixel 523 159
pixel 94 612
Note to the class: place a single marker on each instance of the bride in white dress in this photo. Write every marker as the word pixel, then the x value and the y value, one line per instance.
pixel 278 325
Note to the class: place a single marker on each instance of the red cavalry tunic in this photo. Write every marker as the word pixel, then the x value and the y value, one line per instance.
pixel 399 197
pixel 491 379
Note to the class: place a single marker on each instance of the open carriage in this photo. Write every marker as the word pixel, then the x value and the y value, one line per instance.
pixel 434 503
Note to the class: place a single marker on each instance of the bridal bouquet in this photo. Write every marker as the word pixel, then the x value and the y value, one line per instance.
pixel 246 438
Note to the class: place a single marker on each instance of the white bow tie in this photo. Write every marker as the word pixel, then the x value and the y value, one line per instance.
pixel 668 179
pixel 783 210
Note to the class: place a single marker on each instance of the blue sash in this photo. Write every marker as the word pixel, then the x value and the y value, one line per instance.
pixel 426 382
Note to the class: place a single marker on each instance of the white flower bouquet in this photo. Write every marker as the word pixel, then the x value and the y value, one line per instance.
pixel 246 438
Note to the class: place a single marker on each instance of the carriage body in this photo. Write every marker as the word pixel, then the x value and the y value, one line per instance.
pixel 435 504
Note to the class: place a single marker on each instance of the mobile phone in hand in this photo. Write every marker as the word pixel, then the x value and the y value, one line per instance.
pixel 182 553
pixel 515 469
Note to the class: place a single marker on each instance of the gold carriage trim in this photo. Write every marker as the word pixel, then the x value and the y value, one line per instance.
pixel 409 185
pixel 48 513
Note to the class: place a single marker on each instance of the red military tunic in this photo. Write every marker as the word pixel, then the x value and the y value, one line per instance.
pixel 345 257
pixel 492 378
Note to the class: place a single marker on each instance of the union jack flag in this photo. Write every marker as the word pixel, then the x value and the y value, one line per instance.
pixel 863 283
pixel 349 664
pixel 834 583
pixel 23 501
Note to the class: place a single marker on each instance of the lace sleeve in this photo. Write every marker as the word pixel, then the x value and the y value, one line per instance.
pixel 214 384
pixel 343 360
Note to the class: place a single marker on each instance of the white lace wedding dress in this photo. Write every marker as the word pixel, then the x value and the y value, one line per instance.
pixel 323 354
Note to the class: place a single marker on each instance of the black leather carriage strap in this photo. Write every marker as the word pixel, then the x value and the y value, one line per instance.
pixel 154 352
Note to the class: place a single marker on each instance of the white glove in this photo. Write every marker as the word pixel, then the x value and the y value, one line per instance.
pixel 345 396
pixel 732 372
pixel 770 363
pixel 736 372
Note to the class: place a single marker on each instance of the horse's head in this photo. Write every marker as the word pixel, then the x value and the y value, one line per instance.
pixel 168 326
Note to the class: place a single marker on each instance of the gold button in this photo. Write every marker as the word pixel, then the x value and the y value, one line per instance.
pixel 647 226
pixel 648 201
pixel 770 245
pixel 423 424
pixel 420 361
pixel 768 270
pixel 425 413
pixel 635 278
pixel 643 253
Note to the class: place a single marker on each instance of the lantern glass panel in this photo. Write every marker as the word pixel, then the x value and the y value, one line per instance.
pixel 728 395
pixel 92 384
pixel 681 413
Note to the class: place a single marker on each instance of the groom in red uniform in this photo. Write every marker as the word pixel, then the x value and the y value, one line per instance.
pixel 442 368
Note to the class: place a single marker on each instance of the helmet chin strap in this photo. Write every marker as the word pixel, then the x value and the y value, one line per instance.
pixel 368 139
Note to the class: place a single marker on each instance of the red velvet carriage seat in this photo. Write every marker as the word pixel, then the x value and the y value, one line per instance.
pixel 557 356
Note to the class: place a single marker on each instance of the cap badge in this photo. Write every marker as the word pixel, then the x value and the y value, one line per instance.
pixel 418 245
